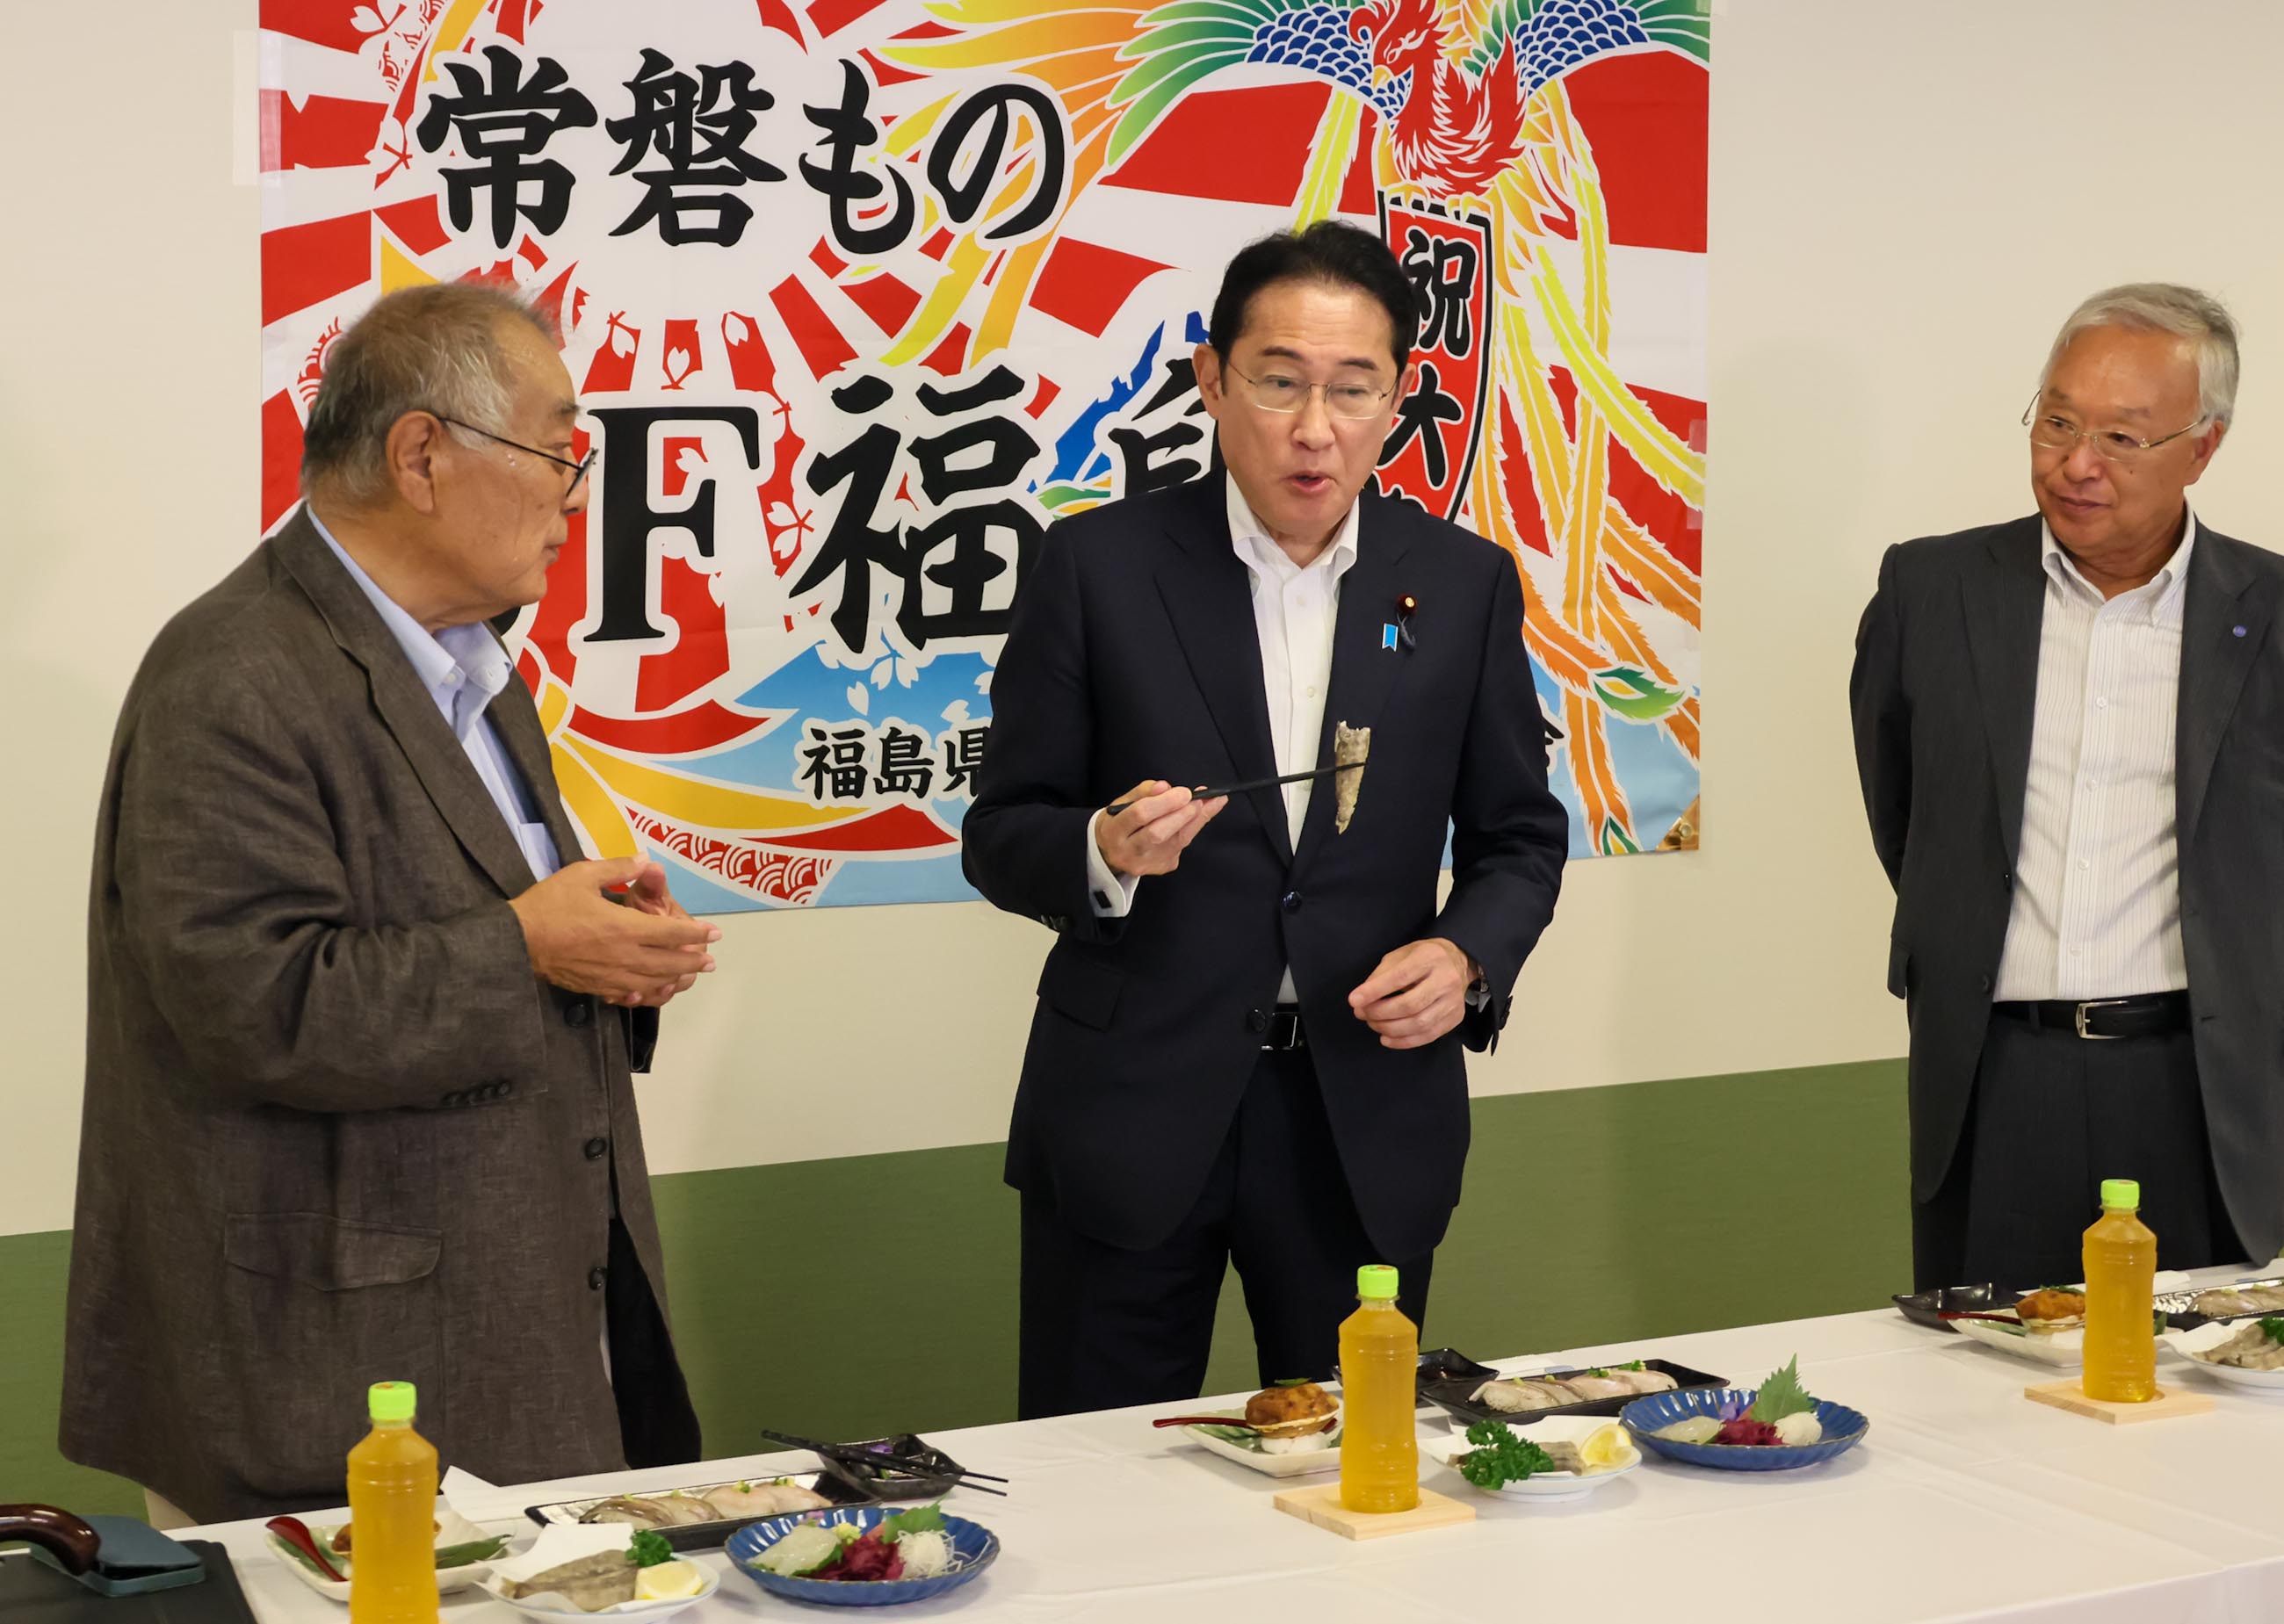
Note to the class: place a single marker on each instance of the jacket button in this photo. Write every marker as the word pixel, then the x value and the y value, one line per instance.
pixel 595 1277
pixel 1292 901
pixel 596 1149
pixel 454 1101
pixel 1258 1020
pixel 1983 982
pixel 579 1013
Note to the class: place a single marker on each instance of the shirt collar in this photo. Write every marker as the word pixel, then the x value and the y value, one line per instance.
pixel 463 667
pixel 1250 539
pixel 2165 587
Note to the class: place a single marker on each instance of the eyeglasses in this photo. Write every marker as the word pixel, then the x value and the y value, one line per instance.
pixel 578 469
pixel 1354 401
pixel 2055 433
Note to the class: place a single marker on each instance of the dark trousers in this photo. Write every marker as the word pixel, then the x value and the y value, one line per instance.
pixel 2053 1114
pixel 657 1425
pixel 1104 1327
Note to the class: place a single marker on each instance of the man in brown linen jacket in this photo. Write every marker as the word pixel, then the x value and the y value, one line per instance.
pixel 358 1104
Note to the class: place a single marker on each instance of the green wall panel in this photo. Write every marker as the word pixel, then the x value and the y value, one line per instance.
pixel 877 1293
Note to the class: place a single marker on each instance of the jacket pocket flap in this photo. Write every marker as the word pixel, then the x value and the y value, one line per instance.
pixel 330 1254
pixel 1081 989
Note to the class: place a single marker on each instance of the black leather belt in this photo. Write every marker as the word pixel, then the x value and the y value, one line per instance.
pixel 1285 1031
pixel 2148 1015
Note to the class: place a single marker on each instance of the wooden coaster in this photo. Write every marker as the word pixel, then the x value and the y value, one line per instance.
pixel 2072 1396
pixel 1321 1505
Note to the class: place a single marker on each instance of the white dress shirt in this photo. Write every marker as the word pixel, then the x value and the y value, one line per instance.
pixel 463 669
pixel 2097 906
pixel 1294 609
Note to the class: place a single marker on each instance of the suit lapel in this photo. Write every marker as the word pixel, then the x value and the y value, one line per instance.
pixel 2222 622
pixel 1209 598
pixel 1362 670
pixel 2004 609
pixel 515 719
pixel 405 708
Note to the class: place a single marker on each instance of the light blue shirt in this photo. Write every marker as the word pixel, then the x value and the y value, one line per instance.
pixel 463 669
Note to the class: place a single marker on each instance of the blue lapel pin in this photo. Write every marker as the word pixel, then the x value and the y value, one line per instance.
pixel 2239 630
pixel 1388 635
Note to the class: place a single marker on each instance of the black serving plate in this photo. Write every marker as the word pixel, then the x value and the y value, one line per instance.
pixel 1927 1308
pixel 1441 1364
pixel 886 1483
pixel 706 1536
pixel 1455 1399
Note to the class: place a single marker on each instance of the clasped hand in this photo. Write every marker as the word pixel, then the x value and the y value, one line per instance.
pixel 642 950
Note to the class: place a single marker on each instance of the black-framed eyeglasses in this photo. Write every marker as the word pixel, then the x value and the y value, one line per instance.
pixel 1354 401
pixel 2052 432
pixel 578 469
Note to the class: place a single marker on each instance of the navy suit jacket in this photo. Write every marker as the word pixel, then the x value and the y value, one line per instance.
pixel 1133 656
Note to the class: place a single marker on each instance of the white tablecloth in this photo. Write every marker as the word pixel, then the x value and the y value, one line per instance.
pixel 1965 1501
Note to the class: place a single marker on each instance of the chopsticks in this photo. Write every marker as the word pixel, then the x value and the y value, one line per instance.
pixel 904 1464
pixel 2001 1319
pixel 1215 792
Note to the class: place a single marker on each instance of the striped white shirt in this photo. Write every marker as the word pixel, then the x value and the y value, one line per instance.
pixel 2097 907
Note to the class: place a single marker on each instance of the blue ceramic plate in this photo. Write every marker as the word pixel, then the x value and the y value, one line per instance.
pixel 973 1549
pixel 1844 1430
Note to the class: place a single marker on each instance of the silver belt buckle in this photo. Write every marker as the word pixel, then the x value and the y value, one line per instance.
pixel 2097 1003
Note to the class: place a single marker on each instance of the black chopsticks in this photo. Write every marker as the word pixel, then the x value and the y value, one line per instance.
pixel 1215 793
pixel 908 1466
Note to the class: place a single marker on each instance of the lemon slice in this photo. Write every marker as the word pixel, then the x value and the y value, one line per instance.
pixel 1604 1447
pixel 668 1581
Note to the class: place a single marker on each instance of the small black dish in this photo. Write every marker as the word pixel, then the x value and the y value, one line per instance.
pixel 881 1482
pixel 1443 1364
pixel 1456 1398
pixel 1927 1308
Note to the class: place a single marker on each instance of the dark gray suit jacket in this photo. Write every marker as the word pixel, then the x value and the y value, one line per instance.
pixel 335 1131
pixel 1944 690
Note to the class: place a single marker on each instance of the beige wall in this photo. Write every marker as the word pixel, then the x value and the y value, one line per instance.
pixel 1905 199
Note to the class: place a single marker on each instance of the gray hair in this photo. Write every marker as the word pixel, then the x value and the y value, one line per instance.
pixel 430 348
pixel 2166 306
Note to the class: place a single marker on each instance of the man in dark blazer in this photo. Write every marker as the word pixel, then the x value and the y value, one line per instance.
pixel 360 1022
pixel 1248 1041
pixel 2071 733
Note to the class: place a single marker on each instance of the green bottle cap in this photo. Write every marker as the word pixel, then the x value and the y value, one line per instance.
pixel 391 1401
pixel 2120 1195
pixel 1376 1282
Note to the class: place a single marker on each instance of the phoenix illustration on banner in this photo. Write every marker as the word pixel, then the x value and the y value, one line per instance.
pixel 861 293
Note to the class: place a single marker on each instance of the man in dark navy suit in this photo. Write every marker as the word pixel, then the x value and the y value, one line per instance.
pixel 1248 1041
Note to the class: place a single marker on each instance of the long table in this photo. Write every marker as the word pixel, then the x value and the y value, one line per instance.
pixel 1965 1501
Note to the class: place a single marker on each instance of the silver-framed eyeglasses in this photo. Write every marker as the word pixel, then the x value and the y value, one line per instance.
pixel 1278 393
pixel 2052 432
pixel 578 469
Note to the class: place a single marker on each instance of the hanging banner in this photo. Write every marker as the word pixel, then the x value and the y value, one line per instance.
pixel 861 294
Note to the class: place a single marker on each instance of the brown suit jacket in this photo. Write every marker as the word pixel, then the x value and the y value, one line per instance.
pixel 335 1131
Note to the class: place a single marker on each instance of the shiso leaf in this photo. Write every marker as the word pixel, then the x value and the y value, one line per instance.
pixel 1782 1395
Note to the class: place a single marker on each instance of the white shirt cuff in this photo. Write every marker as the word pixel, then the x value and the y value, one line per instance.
pixel 1110 893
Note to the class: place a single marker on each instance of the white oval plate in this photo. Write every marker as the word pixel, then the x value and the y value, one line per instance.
pixel 2190 1344
pixel 1538 1486
pixel 2065 1348
pixel 1298 1463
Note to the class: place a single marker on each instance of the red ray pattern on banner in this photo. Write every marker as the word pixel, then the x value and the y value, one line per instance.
pixel 1085 284
pixel 1651 157
pixel 302 264
pixel 1259 138
pixel 416 223
pixel 323 133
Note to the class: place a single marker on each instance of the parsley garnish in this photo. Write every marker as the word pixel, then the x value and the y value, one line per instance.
pixel 1502 1457
pixel 649 1550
